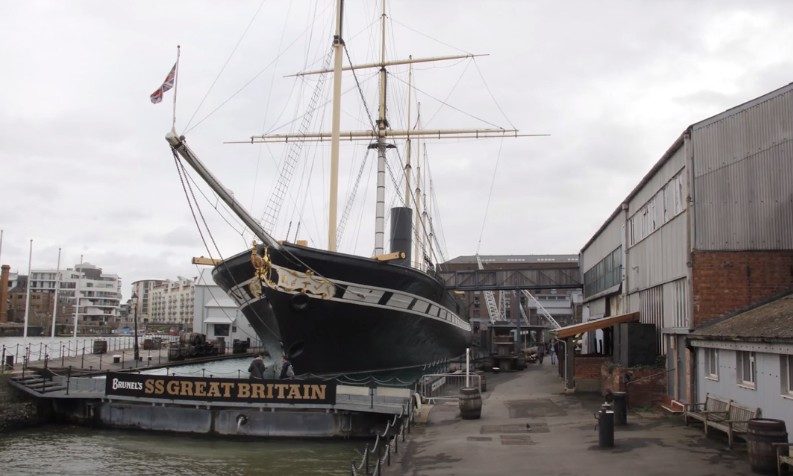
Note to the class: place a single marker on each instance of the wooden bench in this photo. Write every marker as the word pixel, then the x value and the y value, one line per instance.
pixel 735 423
pixel 722 415
pixel 700 411
pixel 784 455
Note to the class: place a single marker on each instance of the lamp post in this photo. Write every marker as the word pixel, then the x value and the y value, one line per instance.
pixel 135 319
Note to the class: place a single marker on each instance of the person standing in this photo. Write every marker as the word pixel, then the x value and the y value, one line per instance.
pixel 540 352
pixel 286 369
pixel 552 351
pixel 257 367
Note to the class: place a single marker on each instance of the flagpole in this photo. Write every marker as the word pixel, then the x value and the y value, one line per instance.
pixel 175 87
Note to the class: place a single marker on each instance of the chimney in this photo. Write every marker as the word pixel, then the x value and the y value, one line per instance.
pixel 4 275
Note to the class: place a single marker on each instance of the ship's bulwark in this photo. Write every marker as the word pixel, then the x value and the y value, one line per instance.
pixel 328 336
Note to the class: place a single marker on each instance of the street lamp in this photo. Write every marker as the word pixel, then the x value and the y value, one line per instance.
pixel 135 318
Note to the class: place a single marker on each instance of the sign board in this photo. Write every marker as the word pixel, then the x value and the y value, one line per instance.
pixel 220 389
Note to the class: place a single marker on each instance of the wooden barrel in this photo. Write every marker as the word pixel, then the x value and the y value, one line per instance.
pixel 100 346
pixel 174 352
pixel 760 435
pixel 470 403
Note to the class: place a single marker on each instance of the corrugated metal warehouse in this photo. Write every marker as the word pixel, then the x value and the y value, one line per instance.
pixel 708 231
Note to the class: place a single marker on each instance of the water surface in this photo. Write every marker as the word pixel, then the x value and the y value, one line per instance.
pixel 73 450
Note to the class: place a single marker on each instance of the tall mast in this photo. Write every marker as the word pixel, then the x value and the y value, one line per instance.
pixel 418 230
pixel 382 124
pixel 333 198
pixel 407 141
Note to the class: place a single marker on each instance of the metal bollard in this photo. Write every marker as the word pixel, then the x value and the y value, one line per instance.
pixel 605 426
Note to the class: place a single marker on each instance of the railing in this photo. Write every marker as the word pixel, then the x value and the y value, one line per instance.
pixel 374 459
pixel 434 387
pixel 79 353
pixel 66 347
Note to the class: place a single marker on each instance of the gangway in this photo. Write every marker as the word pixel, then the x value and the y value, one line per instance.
pixel 490 300
pixel 540 309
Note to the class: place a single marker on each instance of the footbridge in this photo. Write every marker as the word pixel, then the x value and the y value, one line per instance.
pixel 512 272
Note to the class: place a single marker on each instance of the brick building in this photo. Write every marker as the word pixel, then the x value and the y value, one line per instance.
pixel 706 232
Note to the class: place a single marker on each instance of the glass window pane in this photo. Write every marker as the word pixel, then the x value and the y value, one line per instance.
pixel 790 373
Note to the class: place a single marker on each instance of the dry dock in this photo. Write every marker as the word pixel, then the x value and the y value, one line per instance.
pixel 529 427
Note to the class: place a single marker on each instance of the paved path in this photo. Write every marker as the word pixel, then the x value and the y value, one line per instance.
pixel 529 427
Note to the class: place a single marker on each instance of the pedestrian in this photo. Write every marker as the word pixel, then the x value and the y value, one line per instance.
pixel 552 351
pixel 286 369
pixel 257 367
pixel 540 352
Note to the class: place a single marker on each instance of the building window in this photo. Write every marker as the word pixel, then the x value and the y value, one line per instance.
pixel 712 364
pixel 786 374
pixel 222 330
pixel 746 369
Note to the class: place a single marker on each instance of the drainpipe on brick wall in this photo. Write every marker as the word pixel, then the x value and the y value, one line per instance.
pixel 6 271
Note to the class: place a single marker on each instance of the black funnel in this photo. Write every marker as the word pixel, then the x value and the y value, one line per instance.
pixel 402 233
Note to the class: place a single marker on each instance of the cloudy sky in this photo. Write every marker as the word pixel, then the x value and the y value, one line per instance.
pixel 85 166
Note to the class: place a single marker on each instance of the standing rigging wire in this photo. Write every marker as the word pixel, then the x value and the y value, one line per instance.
pixel 267 109
pixel 351 199
pixel 223 68
pixel 180 169
pixel 363 206
pixel 487 87
pixel 490 195
pixel 446 104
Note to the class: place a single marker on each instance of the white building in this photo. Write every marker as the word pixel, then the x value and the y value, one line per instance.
pixel 99 294
pixel 143 291
pixel 748 358
pixel 172 302
pixel 217 315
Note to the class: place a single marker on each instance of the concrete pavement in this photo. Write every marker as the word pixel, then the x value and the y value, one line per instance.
pixel 529 426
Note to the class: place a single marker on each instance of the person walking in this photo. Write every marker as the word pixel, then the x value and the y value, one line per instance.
pixel 257 367
pixel 540 352
pixel 286 369
pixel 552 351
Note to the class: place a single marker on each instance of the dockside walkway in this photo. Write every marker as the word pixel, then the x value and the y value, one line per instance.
pixel 529 426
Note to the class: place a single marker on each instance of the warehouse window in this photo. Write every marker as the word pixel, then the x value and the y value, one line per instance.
pixel 786 374
pixel 605 274
pixel 746 369
pixel 712 364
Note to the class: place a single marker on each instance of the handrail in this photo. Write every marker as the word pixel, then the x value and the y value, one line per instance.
pixel 390 443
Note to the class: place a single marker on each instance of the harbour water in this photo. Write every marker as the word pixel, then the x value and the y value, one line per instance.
pixel 73 450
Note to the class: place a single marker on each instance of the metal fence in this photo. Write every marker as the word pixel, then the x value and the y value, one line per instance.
pixel 433 387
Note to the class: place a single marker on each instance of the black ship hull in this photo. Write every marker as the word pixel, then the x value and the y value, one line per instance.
pixel 334 313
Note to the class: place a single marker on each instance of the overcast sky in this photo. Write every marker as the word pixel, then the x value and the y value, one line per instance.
pixel 85 166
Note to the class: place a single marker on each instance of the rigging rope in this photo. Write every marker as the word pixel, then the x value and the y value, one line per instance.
pixel 185 187
pixel 223 68
pixel 447 104
pixel 489 196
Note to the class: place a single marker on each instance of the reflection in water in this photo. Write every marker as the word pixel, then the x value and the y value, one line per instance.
pixel 76 450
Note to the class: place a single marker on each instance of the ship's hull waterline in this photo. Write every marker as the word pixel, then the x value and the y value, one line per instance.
pixel 335 313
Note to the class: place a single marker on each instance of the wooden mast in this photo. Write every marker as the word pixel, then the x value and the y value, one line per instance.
pixel 382 125
pixel 333 198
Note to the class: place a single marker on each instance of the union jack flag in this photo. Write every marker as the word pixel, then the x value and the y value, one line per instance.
pixel 156 96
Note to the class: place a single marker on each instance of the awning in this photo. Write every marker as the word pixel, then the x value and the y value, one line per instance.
pixel 219 320
pixel 575 329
